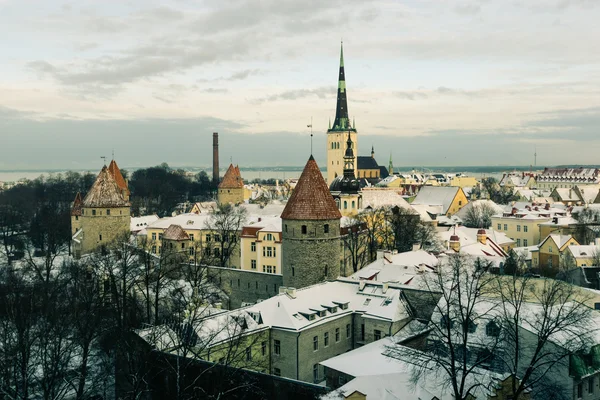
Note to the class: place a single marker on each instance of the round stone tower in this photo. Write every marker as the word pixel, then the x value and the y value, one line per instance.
pixel 311 244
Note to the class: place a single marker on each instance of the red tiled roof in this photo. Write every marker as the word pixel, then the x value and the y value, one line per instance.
pixel 114 170
pixel 232 179
pixel 175 232
pixel 311 199
pixel 76 210
pixel 105 192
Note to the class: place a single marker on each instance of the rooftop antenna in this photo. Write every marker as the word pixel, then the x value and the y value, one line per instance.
pixel 103 159
pixel 113 154
pixel 311 136
pixel 535 157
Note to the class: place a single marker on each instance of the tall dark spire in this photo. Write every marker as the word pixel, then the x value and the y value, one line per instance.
pixel 342 121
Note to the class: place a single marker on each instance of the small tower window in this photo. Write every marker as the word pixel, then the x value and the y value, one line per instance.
pixel 345 204
pixel 353 204
pixel 326 228
pixel 326 270
pixel 100 237
pixel 107 211
pixel 304 229
pixel 93 212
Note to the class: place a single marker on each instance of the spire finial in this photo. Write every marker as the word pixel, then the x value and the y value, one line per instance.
pixel 311 135
pixel 103 160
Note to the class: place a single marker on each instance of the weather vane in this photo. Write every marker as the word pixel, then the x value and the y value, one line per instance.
pixel 311 136
pixel 103 159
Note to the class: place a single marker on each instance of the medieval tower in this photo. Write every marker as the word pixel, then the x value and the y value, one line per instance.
pixel 231 188
pixel 336 134
pixel 103 215
pixel 311 232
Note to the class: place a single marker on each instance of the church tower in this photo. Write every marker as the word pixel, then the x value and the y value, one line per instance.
pixel 345 189
pixel 311 244
pixel 336 134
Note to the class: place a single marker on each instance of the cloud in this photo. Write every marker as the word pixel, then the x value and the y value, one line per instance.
pixel 324 92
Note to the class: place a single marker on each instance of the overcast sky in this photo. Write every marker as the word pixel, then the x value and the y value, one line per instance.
pixel 433 82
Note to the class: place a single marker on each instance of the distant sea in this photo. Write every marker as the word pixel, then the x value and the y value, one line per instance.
pixel 281 173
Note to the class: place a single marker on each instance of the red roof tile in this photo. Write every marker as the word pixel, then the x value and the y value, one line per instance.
pixel 311 199
pixel 76 210
pixel 232 179
pixel 114 170
pixel 175 232
pixel 105 192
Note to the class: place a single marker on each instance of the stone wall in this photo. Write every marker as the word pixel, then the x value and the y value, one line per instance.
pixel 244 286
pixel 234 195
pixel 311 257
pixel 102 229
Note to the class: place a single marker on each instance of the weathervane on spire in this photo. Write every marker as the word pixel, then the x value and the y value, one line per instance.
pixel 311 136
pixel 103 159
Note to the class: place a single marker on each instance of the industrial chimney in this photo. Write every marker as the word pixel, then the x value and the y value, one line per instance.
pixel 216 157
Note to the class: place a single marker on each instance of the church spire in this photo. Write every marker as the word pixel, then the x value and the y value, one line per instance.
pixel 391 166
pixel 342 121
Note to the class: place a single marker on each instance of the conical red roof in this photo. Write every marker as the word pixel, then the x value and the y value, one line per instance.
pixel 232 179
pixel 114 170
pixel 311 199
pixel 76 210
pixel 105 192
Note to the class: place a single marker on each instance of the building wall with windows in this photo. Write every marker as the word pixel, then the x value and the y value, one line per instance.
pixel 524 231
pixel 260 249
pixel 101 226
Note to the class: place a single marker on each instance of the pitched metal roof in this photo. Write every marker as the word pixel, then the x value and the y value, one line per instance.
pixel 311 199
pixel 105 192
pixel 437 195
pixel 232 179
pixel 366 162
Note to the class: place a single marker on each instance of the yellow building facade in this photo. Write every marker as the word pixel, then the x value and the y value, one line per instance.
pixel 260 246
pixel 525 231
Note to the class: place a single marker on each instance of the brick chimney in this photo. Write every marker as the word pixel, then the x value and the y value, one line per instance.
pixel 215 157
pixel 482 236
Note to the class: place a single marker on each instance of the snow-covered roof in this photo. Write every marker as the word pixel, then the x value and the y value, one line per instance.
pixel 565 194
pixel 400 267
pixel 186 221
pixel 560 240
pixel 471 246
pixel 437 195
pixel 584 251
pixel 377 198
pixel 138 223
pixel 297 311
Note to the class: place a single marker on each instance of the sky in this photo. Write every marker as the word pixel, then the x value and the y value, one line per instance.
pixel 465 82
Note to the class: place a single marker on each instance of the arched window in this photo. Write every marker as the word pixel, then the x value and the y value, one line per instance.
pixel 345 204
pixel 337 202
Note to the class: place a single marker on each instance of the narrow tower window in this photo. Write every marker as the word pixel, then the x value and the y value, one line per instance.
pixel 304 229
pixel 326 228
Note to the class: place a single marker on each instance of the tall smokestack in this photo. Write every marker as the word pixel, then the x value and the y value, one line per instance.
pixel 215 157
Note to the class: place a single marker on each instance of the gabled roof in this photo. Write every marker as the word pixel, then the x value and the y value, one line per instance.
pixel 76 210
pixel 105 192
pixel 232 179
pixel 559 240
pixel 114 170
pixel 311 199
pixel 366 162
pixel 175 232
pixel 437 195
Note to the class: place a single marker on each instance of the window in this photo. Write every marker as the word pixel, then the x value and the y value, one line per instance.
pixel 315 343
pixel 276 372
pixel 304 229
pixel 579 391
pixel 107 211
pixel 160 236
pixel 549 249
pixel 362 332
pixel 183 245
pixel 525 242
pixel 518 242
pixel 269 237
pixel 505 227
pixel 518 228
pixel 326 270
pixel 253 246
pixel 153 235
pixel 499 227
pixel 192 237
pixel 524 228
pixel 326 228
pixel 253 264
pixel 285 228
pixel 248 353
pixel 348 331
pixel 217 238
pixel 269 251
pixel 100 237
pixel 263 348
pixel 191 251
pixel 93 212
pixel 345 205
pixel 550 262
pixel 153 249
pixel 377 334
pixel 277 347
pixel 293 271
pixel 316 373
pixel 207 251
pixel 326 339
pixel 591 385
pixel 208 238
pixel 216 252
pixel 337 335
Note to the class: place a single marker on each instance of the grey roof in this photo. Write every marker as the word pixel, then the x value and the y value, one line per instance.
pixel 366 162
pixel 436 195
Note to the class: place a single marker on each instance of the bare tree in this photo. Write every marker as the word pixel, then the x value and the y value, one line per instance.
pixel 374 223
pixel 455 350
pixel 225 223
pixel 479 215
pixel 355 240
pixel 543 322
